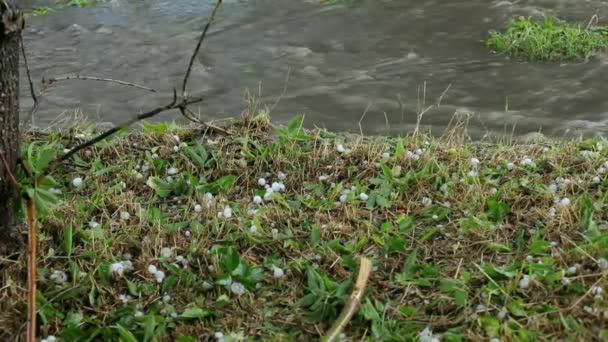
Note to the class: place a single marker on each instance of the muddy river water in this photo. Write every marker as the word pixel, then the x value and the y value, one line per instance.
pixel 387 59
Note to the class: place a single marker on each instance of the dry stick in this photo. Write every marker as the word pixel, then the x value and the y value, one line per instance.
pixel 93 78
pixel 353 303
pixel 31 270
pixel 198 46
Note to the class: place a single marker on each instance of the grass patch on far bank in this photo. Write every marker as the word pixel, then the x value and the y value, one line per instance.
pixel 62 4
pixel 548 40
pixel 170 235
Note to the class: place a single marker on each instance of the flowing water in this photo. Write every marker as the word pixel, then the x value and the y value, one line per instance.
pixel 372 65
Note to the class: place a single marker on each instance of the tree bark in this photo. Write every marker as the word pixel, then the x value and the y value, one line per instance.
pixel 11 24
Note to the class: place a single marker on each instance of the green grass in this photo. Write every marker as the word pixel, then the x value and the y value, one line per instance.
pixel 548 40
pixel 62 4
pixel 470 241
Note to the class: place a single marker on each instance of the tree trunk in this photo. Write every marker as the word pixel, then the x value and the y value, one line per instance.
pixel 11 24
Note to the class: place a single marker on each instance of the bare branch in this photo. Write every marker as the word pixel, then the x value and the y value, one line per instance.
pixel 186 112
pixel 53 165
pixel 29 79
pixel 198 46
pixel 93 78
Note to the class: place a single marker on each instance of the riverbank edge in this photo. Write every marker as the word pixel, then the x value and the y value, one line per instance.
pixel 134 208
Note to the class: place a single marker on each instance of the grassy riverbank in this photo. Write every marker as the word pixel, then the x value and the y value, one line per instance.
pixel 173 236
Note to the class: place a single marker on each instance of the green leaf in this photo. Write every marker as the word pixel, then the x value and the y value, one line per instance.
pixel 169 283
pixel 395 244
pixel 315 236
pixel 294 125
pixel 125 335
pixel 240 270
pixel 224 280
pixel 72 320
pixel 405 223
pixel 490 325
pixel 312 279
pixel 197 154
pixel 460 298
pixel 383 201
pixel 92 295
pixel 43 157
pixel 497 273
pixel 452 337
pixel 409 269
pixel 133 290
pixel 369 311
pixel 106 170
pixel 572 324
pixel 498 247
pixel 230 259
pixel 103 272
pixel 399 149
pixel 538 246
pixel 343 288
pixel 307 300
pixel 448 285
pixel 516 308
pixel 586 212
pixel 429 234
pixel 149 327
pixel 191 313
pixel 185 339
pixel 408 310
pixel 161 187
pixel 43 199
pixel 255 275
pixel 454 289
pixel 222 184
pixel 497 209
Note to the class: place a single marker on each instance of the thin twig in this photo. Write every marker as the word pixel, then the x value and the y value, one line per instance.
pixel 8 170
pixel 186 112
pixel 93 78
pixel 53 165
pixel 29 79
pixel 353 303
pixel 198 46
